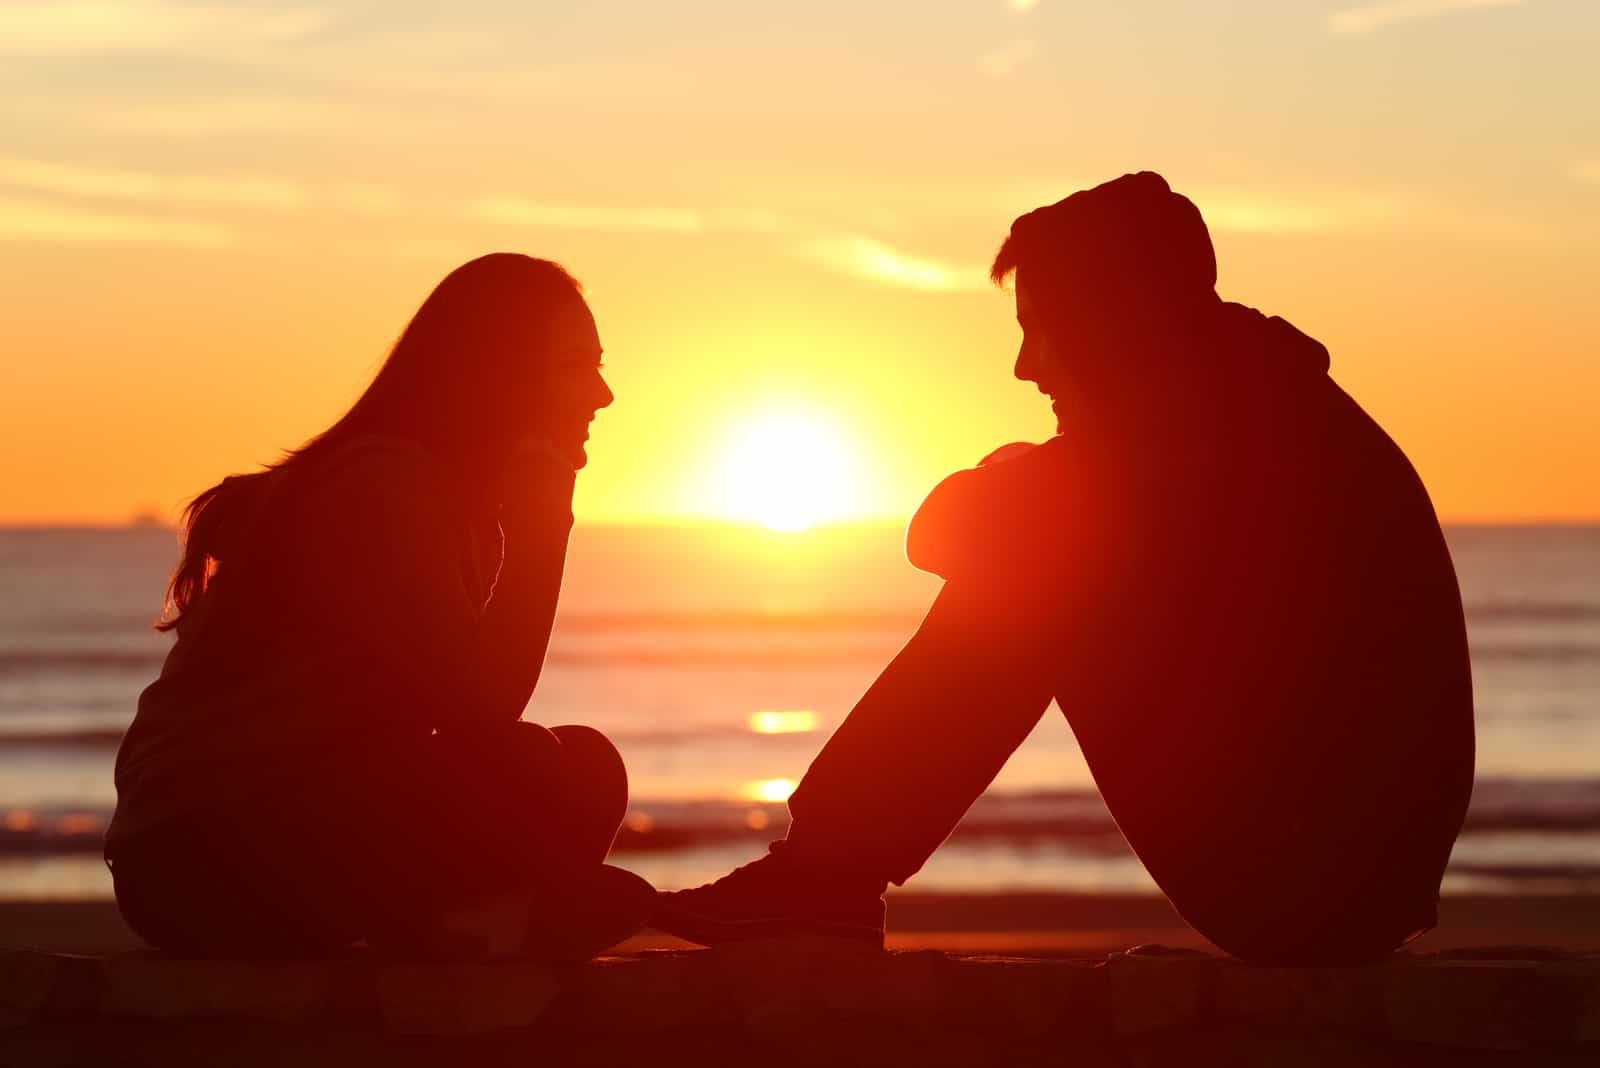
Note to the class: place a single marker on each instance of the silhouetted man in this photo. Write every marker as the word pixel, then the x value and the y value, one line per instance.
pixel 1228 576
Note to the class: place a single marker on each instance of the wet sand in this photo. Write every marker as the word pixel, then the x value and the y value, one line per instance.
pixel 1022 924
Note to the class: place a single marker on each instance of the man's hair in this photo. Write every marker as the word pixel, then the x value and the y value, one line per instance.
pixel 1131 235
pixel 1005 262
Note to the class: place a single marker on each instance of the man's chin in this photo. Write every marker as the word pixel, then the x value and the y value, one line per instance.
pixel 578 456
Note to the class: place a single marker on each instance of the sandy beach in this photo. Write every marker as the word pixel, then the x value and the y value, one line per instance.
pixel 1041 924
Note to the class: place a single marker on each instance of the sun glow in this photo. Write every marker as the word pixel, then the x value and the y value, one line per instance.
pixel 786 471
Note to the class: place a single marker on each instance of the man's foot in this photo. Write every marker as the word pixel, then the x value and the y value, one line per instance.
pixel 774 897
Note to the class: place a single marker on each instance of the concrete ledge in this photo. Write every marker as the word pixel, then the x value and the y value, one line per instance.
pixel 808 1001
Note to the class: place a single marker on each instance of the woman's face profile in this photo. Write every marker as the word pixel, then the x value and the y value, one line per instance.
pixel 575 389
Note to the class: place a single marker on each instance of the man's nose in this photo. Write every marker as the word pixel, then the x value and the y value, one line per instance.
pixel 605 397
pixel 1027 367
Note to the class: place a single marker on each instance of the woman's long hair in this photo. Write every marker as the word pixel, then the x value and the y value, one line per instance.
pixel 471 346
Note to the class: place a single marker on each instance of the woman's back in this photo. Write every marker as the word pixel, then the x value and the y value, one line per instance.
pixel 285 651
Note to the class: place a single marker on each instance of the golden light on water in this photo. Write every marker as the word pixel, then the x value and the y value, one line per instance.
pixel 770 789
pixel 79 823
pixel 794 721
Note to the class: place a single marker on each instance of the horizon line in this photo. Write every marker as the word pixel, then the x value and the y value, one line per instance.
pixel 139 522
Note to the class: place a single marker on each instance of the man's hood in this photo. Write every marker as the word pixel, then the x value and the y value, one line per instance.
pixel 1272 342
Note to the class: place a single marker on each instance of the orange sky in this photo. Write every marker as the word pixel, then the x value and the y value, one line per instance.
pixel 216 217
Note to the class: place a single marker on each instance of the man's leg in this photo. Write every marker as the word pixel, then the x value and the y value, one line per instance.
pixel 896 777
pixel 925 740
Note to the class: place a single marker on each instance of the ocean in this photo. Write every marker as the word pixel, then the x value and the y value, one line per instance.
pixel 719 659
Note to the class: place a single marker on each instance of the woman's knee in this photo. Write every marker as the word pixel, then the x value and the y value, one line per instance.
pixel 595 764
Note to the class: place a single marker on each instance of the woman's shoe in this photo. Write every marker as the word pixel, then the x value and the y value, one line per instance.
pixel 575 914
pixel 588 912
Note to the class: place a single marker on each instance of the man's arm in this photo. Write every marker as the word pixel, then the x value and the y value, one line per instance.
pixel 989 520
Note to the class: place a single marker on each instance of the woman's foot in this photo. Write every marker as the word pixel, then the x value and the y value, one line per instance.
pixel 592 911
pixel 572 917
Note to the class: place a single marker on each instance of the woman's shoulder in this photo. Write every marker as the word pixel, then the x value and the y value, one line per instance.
pixel 377 466
pixel 377 453
pixel 371 483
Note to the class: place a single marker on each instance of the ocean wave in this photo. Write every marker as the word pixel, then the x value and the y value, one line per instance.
pixel 108 736
pixel 74 738
pixel 679 622
pixel 667 654
pixel 1578 875
pixel 693 656
pixel 1533 611
pixel 810 619
pixel 1534 805
pixel 1072 819
pixel 31 661
pixel 1535 652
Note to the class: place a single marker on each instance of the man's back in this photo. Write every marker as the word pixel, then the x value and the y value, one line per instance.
pixel 1229 578
pixel 1258 639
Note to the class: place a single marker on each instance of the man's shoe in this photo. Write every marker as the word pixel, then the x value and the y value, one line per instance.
pixel 774 897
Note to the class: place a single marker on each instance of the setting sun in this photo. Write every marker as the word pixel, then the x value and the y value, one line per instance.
pixel 786 471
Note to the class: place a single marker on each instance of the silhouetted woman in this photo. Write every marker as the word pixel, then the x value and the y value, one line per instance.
pixel 333 751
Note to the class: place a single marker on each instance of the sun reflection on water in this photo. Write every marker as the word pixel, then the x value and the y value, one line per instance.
pixel 770 789
pixel 796 721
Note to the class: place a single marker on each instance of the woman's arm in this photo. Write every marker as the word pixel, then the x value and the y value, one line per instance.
pixel 396 607
pixel 514 633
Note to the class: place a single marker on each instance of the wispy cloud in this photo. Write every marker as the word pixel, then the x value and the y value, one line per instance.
pixel 849 254
pixel 148 187
pixel 366 198
pixel 208 118
pixel 864 257
pixel 1356 211
pixel 1250 212
pixel 27 219
pixel 78 27
pixel 1370 17
pixel 516 211
pixel 750 220
pixel 1586 170
pixel 1003 62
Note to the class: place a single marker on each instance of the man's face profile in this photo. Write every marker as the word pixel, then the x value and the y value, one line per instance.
pixel 1038 359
